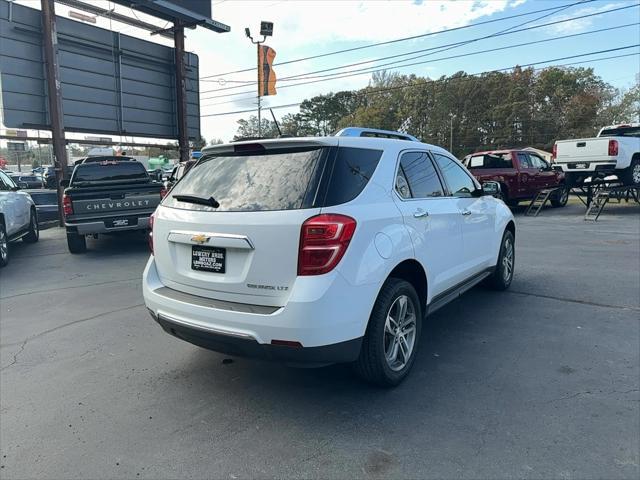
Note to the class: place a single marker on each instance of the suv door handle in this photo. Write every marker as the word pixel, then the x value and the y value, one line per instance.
pixel 420 213
pixel 466 212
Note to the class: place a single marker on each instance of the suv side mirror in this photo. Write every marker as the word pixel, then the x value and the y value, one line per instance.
pixel 64 183
pixel 491 188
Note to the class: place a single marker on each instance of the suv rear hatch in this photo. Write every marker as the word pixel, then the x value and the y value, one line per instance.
pixel 230 228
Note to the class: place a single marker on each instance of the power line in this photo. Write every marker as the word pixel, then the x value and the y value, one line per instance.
pixel 369 70
pixel 414 85
pixel 354 73
pixel 433 50
pixel 350 73
pixel 413 37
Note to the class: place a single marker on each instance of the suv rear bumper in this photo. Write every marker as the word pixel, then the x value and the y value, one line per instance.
pixel 249 347
pixel 328 327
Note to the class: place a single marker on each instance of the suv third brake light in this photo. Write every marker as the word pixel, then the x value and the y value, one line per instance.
pixel 323 242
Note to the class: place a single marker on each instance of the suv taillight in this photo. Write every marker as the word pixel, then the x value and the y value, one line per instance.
pixel 554 152
pixel 150 239
pixel 67 207
pixel 613 148
pixel 323 241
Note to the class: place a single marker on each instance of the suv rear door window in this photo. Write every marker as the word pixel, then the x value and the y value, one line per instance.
pixel 417 177
pixel 352 170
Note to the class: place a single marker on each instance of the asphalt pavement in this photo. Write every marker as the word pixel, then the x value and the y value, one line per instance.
pixel 541 381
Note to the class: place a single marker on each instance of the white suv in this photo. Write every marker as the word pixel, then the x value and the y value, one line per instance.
pixel 18 217
pixel 322 250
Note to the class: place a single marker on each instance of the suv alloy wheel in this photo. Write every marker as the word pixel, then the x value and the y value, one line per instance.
pixel 393 334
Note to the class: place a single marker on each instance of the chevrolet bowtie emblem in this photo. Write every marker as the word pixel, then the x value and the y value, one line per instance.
pixel 200 238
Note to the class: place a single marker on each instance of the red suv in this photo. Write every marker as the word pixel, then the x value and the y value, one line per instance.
pixel 521 174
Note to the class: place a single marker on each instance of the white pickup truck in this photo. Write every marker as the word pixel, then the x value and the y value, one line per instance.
pixel 615 151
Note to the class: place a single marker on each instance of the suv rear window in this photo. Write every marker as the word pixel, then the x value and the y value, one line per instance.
pixel 283 179
pixel 109 172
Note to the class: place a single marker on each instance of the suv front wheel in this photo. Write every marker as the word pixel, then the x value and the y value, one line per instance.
pixel 502 276
pixel 393 334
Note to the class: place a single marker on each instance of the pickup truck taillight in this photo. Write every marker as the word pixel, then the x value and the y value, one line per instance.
pixel 613 148
pixel 163 192
pixel 323 241
pixel 554 152
pixel 150 239
pixel 67 207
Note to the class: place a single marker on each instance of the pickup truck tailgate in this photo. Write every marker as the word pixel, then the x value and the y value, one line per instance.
pixel 113 202
pixel 583 150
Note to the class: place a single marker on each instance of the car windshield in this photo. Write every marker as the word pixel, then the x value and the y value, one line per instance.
pixel 621 131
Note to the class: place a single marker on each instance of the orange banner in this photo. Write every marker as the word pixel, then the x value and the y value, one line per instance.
pixel 266 75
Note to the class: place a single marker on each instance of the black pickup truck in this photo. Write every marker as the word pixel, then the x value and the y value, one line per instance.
pixel 108 197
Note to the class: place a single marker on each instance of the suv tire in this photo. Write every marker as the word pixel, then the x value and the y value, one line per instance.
pixel 561 197
pixel 34 231
pixel 4 246
pixel 502 276
pixel 76 243
pixel 387 339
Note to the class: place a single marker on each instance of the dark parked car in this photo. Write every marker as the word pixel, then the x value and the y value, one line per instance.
pixel 49 175
pixel 520 173
pixel 46 205
pixel 26 180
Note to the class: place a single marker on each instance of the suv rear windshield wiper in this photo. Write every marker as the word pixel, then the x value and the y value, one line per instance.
pixel 210 202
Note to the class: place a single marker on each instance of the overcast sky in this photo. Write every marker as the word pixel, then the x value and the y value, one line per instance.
pixel 305 28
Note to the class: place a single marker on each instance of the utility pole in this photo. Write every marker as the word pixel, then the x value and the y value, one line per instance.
pixel 181 91
pixel 259 96
pixel 54 93
pixel 451 117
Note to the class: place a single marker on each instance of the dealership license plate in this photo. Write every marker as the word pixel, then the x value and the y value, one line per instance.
pixel 578 165
pixel 121 222
pixel 208 259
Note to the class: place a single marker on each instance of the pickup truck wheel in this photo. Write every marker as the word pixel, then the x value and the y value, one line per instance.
pixel 76 243
pixel 631 175
pixel 391 341
pixel 560 198
pixel 34 231
pixel 4 246
pixel 502 276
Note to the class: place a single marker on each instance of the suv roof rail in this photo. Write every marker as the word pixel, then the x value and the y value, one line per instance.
pixel 374 132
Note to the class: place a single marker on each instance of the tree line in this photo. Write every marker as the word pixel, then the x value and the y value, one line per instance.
pixel 468 113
